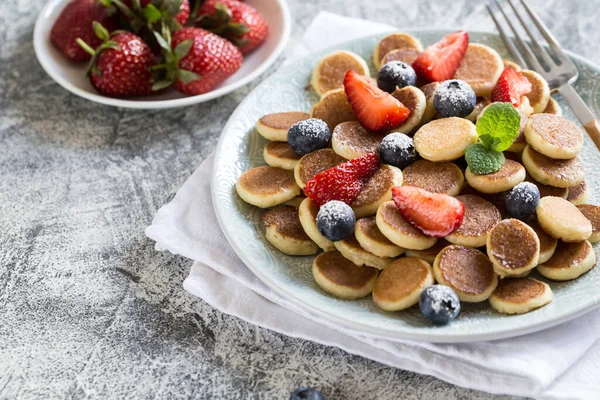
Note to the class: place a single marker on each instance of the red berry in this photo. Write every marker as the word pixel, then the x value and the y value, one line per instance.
pixel 374 108
pixel 440 61
pixel 75 21
pixel 433 214
pixel 343 182
pixel 511 86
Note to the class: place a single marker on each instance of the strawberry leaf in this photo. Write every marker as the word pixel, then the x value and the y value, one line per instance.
pixel 498 127
pixel 100 31
pixel 152 13
pixel 188 76
pixel 162 41
pixel 183 48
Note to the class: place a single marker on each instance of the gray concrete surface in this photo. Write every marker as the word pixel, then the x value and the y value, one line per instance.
pixel 87 307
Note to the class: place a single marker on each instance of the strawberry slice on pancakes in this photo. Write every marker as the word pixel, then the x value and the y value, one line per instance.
pixel 440 61
pixel 511 86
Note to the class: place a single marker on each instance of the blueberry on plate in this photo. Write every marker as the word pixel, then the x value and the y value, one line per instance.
pixel 306 393
pixel 522 200
pixel 439 304
pixel 308 135
pixel 397 149
pixel 454 98
pixel 396 74
pixel 335 220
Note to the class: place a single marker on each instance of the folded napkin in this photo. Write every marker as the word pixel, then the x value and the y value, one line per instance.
pixel 561 362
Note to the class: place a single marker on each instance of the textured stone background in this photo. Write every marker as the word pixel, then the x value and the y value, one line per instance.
pixel 87 307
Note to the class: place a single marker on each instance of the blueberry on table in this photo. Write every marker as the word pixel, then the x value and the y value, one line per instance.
pixel 306 393
pixel 397 149
pixel 522 200
pixel 336 220
pixel 454 98
pixel 439 304
pixel 308 135
pixel 396 74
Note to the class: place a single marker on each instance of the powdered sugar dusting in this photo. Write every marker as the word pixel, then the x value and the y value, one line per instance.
pixel 311 127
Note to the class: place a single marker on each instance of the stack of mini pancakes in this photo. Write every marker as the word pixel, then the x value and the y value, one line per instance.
pixel 490 256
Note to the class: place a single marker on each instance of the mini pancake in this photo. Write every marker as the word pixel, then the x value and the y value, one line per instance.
pixel 513 247
pixel 352 140
pixel 285 232
pixel 275 126
pixel 570 260
pixel 399 286
pixel 468 271
pixel 445 178
pixel 377 190
pixel 553 108
pixel 480 105
pixel 553 136
pixel 372 240
pixel 295 202
pixel 546 190
pixel 592 213
pixel 281 155
pixel 406 55
pixel 431 253
pixel 547 242
pixel 525 106
pixel 429 91
pixel 479 219
pixel 563 220
pixel 341 278
pixel 394 41
pixel 513 65
pixel 578 194
pixel 480 68
pixel 333 108
pixel 510 175
pixel 399 231
pixel 313 163
pixel 445 139
pixel 307 212
pixel 267 186
pixel 520 295
pixel 540 92
pixel 519 144
pixel 329 73
pixel 352 250
pixel 558 173
pixel 413 99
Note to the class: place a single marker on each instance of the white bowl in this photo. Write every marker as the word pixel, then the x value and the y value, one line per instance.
pixel 72 76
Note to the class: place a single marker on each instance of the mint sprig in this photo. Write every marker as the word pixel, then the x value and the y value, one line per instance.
pixel 497 129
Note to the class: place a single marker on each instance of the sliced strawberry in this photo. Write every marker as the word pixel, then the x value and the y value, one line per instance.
pixel 511 86
pixel 343 182
pixel 440 61
pixel 374 108
pixel 433 214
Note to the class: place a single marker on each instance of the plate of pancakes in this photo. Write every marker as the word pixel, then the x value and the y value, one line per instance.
pixel 279 241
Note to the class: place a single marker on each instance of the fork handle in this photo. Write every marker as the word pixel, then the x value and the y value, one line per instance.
pixel 583 113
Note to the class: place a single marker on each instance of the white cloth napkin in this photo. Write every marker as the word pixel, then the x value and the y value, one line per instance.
pixel 561 362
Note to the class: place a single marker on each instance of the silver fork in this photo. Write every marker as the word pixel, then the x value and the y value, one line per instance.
pixel 560 74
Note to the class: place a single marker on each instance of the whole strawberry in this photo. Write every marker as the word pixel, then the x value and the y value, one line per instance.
pixel 75 21
pixel 197 61
pixel 235 21
pixel 122 65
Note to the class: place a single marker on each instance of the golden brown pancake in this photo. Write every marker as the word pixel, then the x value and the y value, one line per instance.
pixel 563 220
pixel 333 108
pixel 267 186
pixel 479 219
pixel 444 178
pixel 313 163
pixel 512 64
pixel 352 140
pixel 275 126
pixel 511 174
pixel 285 232
pixel 399 231
pixel 307 211
pixel 559 173
pixel 540 92
pixel 520 295
pixel 553 136
pixel 281 154
pixel 480 105
pixel 401 283
pixel 592 213
pixel 406 55
pixel 331 70
pixel 431 253
pixel 546 190
pixel 371 239
pixel 445 139
pixel 570 260
pixel 466 270
pixel 413 99
pixel 513 247
pixel 377 190
pixel 547 242
pixel 480 68
pixel 553 108
pixel 578 194
pixel 392 42
pixel 340 277
pixel 353 251
pixel 429 91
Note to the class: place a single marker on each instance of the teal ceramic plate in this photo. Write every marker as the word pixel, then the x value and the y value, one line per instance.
pixel 240 148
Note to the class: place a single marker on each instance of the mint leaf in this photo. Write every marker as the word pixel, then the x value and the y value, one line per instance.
pixel 482 161
pixel 499 125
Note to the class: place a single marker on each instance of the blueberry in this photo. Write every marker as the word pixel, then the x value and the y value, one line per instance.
pixel 335 220
pixel 396 74
pixel 306 393
pixel 397 149
pixel 308 135
pixel 439 304
pixel 454 98
pixel 522 200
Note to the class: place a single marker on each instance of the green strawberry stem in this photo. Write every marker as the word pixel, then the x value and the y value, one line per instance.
pixel 170 68
pixel 103 34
